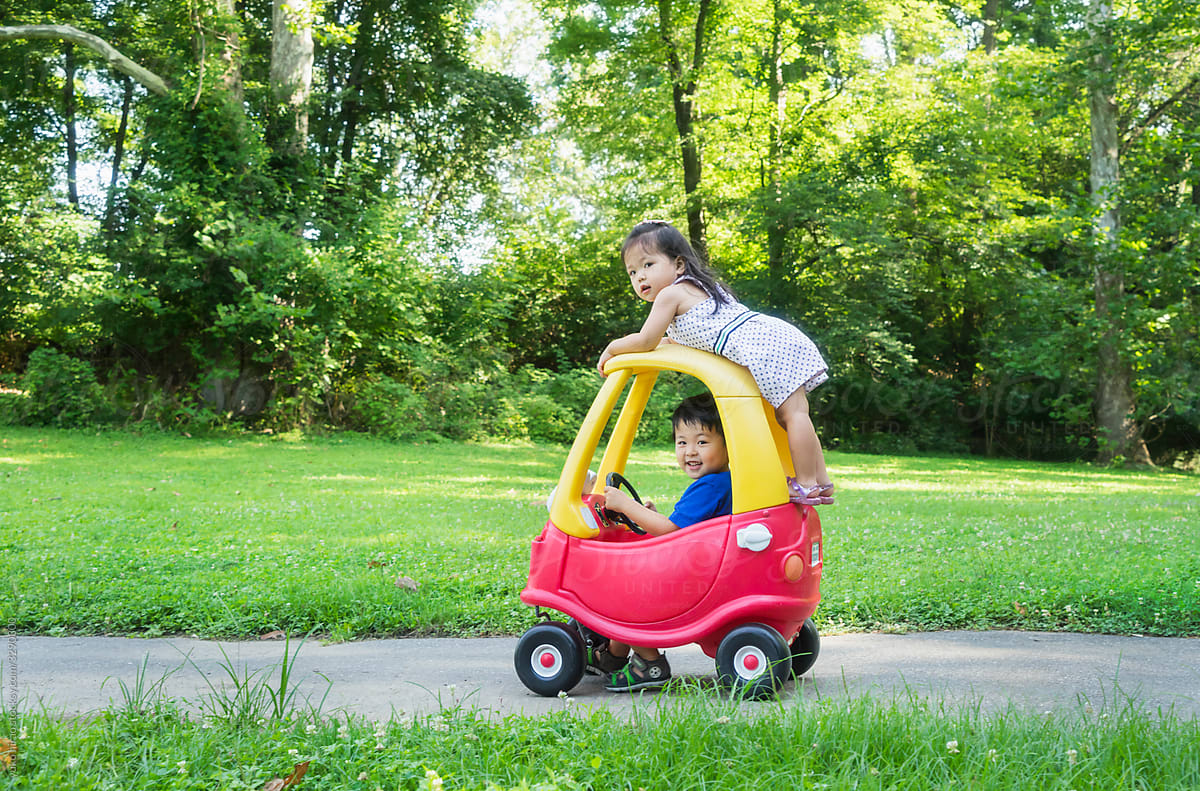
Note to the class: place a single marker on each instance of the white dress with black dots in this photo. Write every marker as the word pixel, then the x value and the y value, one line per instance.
pixel 781 358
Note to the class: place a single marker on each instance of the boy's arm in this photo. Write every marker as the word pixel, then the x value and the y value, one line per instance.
pixel 644 516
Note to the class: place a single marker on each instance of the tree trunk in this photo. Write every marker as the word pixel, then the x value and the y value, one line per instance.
pixel 991 21
pixel 1118 431
pixel 292 68
pixel 683 91
pixel 228 26
pixel 118 154
pixel 352 105
pixel 69 119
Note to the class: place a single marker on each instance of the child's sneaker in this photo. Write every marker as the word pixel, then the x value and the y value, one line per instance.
pixel 640 674
pixel 601 663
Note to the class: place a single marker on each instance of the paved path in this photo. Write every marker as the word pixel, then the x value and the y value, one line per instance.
pixel 374 679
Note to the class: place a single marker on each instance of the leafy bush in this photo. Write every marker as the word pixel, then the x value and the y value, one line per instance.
pixel 61 390
pixel 392 409
pixel 547 420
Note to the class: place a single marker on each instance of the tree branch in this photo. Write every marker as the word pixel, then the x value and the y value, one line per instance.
pixel 110 54
pixel 1161 108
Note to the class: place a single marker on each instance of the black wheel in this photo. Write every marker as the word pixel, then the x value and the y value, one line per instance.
pixel 549 658
pixel 753 661
pixel 805 648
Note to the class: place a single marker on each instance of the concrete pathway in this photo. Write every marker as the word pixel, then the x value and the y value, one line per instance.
pixel 379 678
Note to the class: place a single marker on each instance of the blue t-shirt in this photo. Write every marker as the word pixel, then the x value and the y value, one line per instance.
pixel 706 497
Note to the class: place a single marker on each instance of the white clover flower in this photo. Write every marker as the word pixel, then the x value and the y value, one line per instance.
pixel 310 728
pixel 723 720
pixel 952 746
pixel 72 763
pixel 1072 757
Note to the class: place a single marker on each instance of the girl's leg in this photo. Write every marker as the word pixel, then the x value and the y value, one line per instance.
pixel 807 457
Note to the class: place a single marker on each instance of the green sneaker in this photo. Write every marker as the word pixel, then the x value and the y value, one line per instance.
pixel 640 674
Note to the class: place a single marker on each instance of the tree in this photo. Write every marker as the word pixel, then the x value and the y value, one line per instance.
pixel 646 95
pixel 292 69
pixel 1114 392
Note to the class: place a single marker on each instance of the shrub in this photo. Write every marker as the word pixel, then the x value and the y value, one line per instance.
pixel 60 390
pixel 393 410
pixel 547 420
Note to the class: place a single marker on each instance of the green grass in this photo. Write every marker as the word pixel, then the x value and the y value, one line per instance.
pixel 694 743
pixel 233 537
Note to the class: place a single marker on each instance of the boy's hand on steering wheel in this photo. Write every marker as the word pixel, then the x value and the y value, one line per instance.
pixel 616 500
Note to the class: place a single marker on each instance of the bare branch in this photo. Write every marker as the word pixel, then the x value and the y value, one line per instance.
pixel 110 54
pixel 1162 107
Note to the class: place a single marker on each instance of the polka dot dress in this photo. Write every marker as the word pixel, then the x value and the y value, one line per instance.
pixel 781 358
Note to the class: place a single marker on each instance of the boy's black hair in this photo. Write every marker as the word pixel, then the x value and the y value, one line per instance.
pixel 663 237
pixel 698 410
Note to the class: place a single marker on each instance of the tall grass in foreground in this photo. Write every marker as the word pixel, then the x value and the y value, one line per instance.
pixel 696 743
pixel 351 537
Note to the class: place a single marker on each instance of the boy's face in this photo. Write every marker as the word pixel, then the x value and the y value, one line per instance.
pixel 699 450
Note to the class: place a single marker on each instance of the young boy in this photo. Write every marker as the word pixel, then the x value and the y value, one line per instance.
pixel 701 454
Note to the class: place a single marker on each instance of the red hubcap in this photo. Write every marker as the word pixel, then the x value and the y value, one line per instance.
pixel 750 663
pixel 547 659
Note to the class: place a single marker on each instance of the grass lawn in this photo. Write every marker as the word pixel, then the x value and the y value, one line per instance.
pixel 699 742
pixel 234 537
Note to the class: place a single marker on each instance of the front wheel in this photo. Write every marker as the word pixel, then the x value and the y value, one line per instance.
pixel 753 661
pixel 549 658
pixel 804 648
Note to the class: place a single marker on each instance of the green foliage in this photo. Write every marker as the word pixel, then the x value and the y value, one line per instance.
pixel 393 410
pixel 60 390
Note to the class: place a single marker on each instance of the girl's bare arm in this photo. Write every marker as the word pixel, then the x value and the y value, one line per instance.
pixel 662 313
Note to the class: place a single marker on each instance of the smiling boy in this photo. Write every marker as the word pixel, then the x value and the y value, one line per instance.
pixel 701 454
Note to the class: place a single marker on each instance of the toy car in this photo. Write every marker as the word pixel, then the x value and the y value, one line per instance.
pixel 744 586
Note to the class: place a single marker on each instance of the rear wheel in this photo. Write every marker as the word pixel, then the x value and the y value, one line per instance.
pixel 804 648
pixel 549 658
pixel 753 661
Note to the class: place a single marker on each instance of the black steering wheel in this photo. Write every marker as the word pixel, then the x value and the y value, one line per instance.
pixel 618 480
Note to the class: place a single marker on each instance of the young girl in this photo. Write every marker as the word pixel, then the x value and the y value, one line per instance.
pixel 695 309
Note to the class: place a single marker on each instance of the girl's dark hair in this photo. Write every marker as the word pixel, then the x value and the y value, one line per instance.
pixel 698 410
pixel 660 235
